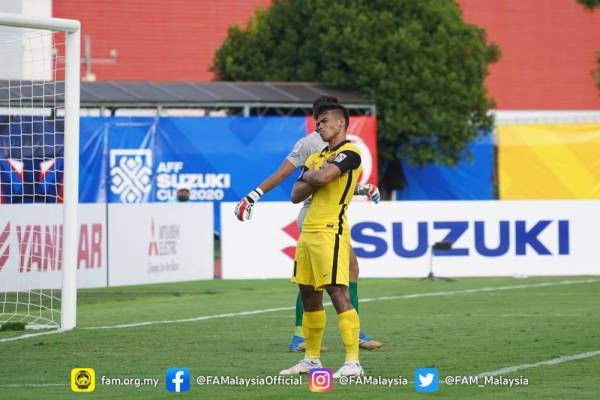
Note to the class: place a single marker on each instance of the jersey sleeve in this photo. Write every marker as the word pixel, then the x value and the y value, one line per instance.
pixel 304 169
pixel 305 166
pixel 347 160
pixel 299 153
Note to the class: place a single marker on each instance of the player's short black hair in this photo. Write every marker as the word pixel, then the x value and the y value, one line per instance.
pixel 334 107
pixel 323 101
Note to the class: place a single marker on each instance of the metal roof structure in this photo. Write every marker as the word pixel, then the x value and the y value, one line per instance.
pixel 246 98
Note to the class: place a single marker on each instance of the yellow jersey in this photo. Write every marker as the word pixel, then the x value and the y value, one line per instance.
pixel 327 210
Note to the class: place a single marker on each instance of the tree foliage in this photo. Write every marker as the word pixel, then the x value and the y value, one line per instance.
pixel 421 63
pixel 591 5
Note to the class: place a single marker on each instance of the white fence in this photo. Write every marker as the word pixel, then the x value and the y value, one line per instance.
pixel 147 243
pixel 31 246
pixel 160 242
pixel 151 243
pixel 394 239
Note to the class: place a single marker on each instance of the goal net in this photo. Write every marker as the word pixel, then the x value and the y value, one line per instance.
pixel 39 119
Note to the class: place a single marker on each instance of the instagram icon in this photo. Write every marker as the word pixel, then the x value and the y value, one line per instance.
pixel 320 380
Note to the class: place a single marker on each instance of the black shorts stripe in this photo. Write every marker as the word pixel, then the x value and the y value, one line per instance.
pixel 341 220
pixel 336 250
pixel 347 188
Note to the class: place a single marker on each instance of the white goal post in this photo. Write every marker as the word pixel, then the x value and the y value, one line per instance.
pixel 70 155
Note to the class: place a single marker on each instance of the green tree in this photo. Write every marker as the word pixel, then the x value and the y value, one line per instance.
pixel 591 5
pixel 421 63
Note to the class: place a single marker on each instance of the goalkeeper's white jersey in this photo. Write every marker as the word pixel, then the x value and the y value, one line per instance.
pixel 303 148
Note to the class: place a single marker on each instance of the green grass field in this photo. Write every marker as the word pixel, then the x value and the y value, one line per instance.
pixel 463 333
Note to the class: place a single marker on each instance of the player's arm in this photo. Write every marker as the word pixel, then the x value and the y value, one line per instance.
pixel 322 177
pixel 344 161
pixel 285 169
pixel 302 190
pixel 369 190
pixel 243 210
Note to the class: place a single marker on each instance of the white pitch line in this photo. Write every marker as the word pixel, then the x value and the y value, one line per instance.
pixel 269 310
pixel 30 335
pixel 479 290
pixel 15 385
pixel 194 319
pixel 406 296
pixel 553 361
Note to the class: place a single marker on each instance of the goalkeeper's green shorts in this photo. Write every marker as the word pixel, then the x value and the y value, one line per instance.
pixel 322 258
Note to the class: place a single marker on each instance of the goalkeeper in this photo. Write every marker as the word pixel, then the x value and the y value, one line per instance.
pixel 302 149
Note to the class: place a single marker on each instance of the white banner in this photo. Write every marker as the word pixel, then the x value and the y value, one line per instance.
pixel 394 239
pixel 160 242
pixel 31 246
pixel 262 247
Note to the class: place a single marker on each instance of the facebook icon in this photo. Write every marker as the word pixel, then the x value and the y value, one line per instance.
pixel 178 380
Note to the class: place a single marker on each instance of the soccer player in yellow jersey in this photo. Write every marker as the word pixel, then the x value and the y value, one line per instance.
pixel 322 253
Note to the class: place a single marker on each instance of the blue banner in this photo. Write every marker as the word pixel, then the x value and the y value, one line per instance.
pixel 468 180
pixel 31 159
pixel 144 159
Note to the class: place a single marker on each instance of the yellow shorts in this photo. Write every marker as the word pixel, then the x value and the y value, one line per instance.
pixel 322 258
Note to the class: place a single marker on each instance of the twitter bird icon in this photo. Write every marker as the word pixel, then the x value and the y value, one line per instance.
pixel 427 379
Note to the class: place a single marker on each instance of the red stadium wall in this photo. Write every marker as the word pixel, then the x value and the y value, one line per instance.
pixel 156 40
pixel 547 45
pixel 547 52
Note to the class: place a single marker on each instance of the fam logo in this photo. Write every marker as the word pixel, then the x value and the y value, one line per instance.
pixel 83 380
pixel 130 173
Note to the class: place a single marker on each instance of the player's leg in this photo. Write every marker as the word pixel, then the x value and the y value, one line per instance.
pixel 349 325
pixel 297 343
pixel 366 342
pixel 331 267
pixel 313 325
pixel 313 320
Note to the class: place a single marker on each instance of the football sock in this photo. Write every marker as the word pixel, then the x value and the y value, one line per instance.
pixel 354 295
pixel 313 324
pixel 349 328
pixel 299 311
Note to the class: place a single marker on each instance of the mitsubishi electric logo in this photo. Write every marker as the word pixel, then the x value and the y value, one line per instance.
pixel 130 173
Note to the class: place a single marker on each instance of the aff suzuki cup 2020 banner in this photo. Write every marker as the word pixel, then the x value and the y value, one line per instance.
pixel 395 239
pixel 141 159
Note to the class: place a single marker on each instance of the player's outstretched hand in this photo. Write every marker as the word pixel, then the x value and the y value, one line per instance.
pixel 243 210
pixel 369 190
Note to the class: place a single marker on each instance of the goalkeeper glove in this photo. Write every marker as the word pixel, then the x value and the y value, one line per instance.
pixel 369 190
pixel 243 210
